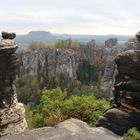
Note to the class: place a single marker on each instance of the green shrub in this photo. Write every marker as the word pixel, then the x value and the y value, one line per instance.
pixel 54 108
pixel 85 108
pixel 132 134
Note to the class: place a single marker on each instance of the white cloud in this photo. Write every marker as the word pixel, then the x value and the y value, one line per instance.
pixel 71 16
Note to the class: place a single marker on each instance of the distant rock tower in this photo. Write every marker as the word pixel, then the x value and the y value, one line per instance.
pixel 12 113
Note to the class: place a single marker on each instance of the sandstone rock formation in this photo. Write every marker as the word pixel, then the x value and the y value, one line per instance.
pixel 6 35
pixel 69 130
pixel 55 61
pixel 111 42
pixel 138 36
pixel 111 52
pixel 108 75
pixel 125 106
pixel 12 113
pixel 59 60
pixel 133 43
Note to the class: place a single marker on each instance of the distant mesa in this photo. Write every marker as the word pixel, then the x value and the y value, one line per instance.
pixel 37 36
pixel 46 36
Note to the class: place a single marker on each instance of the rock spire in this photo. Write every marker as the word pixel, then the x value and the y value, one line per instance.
pixel 12 113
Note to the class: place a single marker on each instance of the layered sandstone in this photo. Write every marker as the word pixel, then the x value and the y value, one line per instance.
pixel 12 113
pixel 124 112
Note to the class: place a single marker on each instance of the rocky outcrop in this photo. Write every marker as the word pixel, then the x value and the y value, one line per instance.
pixel 12 113
pixel 10 36
pixel 57 61
pixel 133 43
pixel 111 42
pixel 138 36
pixel 108 79
pixel 125 106
pixel 88 51
pixel 108 75
pixel 69 130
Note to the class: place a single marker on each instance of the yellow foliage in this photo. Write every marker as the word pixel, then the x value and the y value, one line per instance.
pixel 54 118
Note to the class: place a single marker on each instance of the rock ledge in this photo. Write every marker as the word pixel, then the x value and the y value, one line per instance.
pixel 71 129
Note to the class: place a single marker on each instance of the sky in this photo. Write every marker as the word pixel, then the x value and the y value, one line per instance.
pixel 99 17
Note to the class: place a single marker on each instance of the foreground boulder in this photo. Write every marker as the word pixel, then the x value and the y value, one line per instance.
pixel 68 130
pixel 12 113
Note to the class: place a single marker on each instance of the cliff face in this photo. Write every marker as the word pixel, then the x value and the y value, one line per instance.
pixel 133 43
pixel 12 118
pixel 111 52
pixel 54 61
pixel 111 42
pixel 60 61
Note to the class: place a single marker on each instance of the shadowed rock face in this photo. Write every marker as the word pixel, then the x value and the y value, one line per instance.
pixel 111 51
pixel 8 69
pixel 12 118
pixel 138 36
pixel 6 35
pixel 69 130
pixel 60 61
pixel 111 42
pixel 125 106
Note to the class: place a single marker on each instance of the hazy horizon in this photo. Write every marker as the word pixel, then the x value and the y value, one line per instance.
pixel 65 33
pixel 91 17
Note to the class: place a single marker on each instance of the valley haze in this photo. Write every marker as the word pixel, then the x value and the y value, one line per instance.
pixel 48 37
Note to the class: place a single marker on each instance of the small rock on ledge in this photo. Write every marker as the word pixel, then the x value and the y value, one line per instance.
pixel 6 35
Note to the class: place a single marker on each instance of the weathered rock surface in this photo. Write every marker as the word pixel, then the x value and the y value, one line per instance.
pixel 69 130
pixel 138 36
pixel 111 42
pixel 133 43
pixel 12 113
pixel 6 35
pixel 125 106
pixel 55 61
pixel 111 52
pixel 108 74
pixel 7 42
pixel 59 61
pixel 12 119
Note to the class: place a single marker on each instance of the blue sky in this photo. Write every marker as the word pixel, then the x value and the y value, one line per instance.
pixel 71 16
